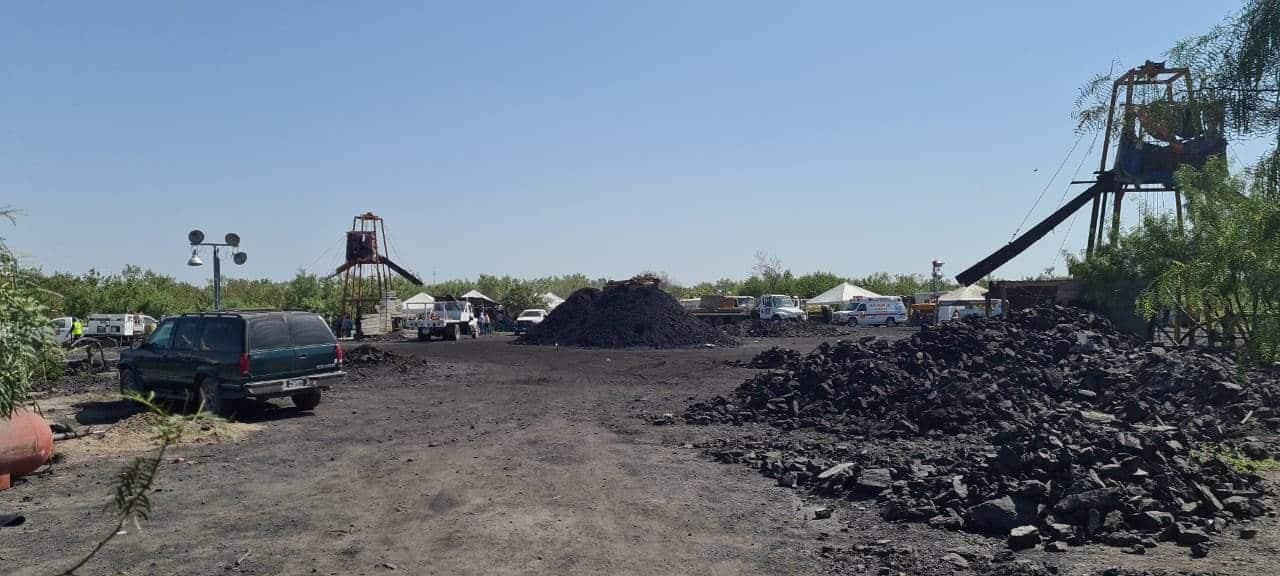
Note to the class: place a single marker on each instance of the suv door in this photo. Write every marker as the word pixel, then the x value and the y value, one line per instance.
pixel 183 356
pixel 148 360
pixel 270 347
pixel 314 347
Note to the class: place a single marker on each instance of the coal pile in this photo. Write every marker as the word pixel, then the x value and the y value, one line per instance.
pixel 1050 427
pixel 368 354
pixel 757 328
pixel 623 316
pixel 774 357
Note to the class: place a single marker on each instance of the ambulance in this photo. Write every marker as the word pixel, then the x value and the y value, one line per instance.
pixel 881 310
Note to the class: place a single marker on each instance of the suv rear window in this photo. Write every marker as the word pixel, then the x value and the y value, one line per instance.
pixel 268 332
pixel 208 334
pixel 222 335
pixel 309 330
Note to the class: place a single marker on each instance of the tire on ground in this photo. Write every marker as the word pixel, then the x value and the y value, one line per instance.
pixel 130 381
pixel 211 397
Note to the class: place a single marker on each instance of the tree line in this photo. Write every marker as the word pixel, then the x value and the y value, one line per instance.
pixel 135 289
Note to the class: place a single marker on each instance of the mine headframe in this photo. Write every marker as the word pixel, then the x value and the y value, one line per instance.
pixel 1156 124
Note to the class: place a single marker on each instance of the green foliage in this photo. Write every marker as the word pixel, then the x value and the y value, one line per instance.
pixel 27 348
pixel 1239 62
pixel 1230 277
pixel 1140 254
pixel 520 296
pixel 1240 463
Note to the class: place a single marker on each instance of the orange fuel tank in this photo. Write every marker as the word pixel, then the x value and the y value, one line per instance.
pixel 26 443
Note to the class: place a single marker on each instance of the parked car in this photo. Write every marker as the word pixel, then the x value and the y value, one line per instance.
pixel 219 358
pixel 528 319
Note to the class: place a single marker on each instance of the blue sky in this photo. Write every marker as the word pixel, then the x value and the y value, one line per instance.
pixel 536 138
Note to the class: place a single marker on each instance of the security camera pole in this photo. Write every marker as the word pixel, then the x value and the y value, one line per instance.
pixel 232 240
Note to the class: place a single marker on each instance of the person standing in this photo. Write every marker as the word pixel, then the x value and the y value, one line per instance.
pixel 77 329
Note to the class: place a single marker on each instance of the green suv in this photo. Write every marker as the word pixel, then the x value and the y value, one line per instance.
pixel 222 357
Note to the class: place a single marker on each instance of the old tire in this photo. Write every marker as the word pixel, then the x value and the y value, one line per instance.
pixel 211 397
pixel 130 381
pixel 307 400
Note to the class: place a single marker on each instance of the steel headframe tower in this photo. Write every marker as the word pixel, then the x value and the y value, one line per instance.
pixel 367 269
pixel 1166 129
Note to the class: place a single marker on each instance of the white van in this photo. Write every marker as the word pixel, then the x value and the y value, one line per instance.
pixel 886 310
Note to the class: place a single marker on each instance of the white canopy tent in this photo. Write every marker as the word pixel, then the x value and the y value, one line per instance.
pixel 476 295
pixel 419 300
pixel 550 300
pixel 973 293
pixel 966 301
pixel 842 294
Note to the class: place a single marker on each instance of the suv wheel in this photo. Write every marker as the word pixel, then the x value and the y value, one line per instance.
pixel 307 400
pixel 211 397
pixel 891 322
pixel 453 333
pixel 130 382
pixel 853 321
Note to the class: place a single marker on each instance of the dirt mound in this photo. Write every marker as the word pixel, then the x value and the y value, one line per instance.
pixel 1051 419
pixel 621 317
pixel 757 328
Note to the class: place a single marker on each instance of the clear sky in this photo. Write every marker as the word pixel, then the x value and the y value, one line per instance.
pixel 536 138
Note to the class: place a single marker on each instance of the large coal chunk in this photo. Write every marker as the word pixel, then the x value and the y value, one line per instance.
pixel 620 317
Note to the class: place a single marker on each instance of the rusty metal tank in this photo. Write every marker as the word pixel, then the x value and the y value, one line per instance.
pixel 26 443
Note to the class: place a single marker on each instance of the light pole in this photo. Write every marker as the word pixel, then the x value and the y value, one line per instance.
pixel 232 240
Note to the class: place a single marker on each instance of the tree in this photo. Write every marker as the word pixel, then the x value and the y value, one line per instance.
pixel 27 349
pixel 1227 278
pixel 519 296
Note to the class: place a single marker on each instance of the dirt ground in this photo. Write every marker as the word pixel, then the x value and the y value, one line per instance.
pixel 482 457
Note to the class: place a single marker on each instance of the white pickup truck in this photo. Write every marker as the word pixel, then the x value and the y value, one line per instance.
pixel 448 319
pixel 528 319
pixel 779 307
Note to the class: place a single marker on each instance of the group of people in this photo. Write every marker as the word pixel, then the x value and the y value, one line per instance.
pixel 484 320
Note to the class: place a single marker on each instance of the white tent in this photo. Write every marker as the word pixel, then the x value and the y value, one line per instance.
pixel 844 292
pixel 974 293
pixel 550 300
pixel 419 300
pixel 475 294
pixel 966 301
